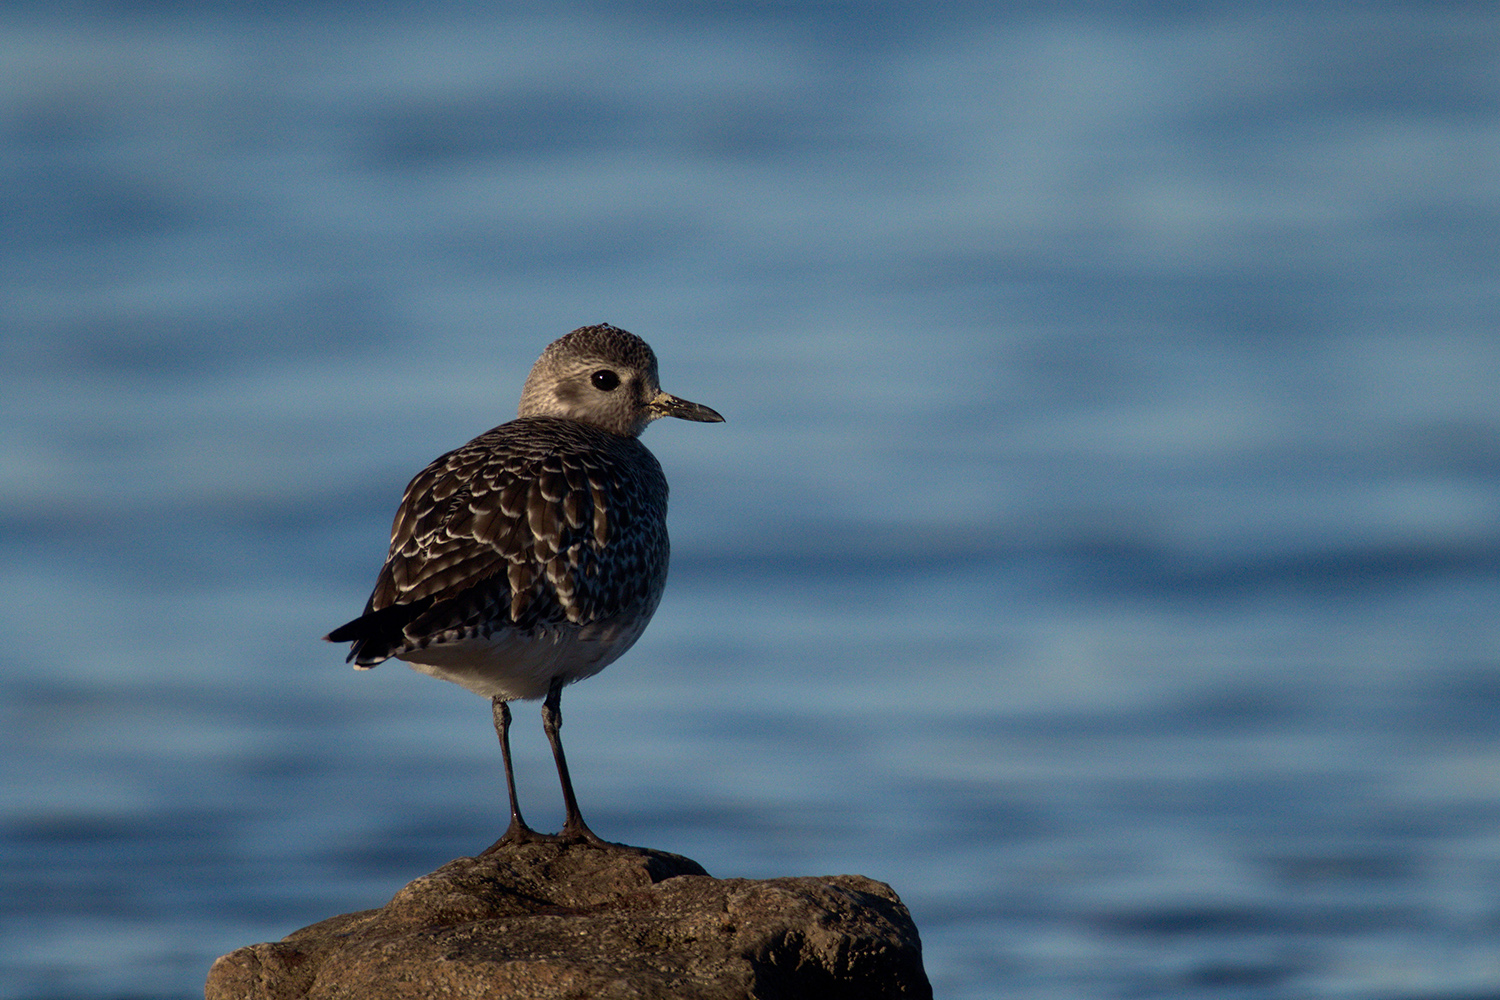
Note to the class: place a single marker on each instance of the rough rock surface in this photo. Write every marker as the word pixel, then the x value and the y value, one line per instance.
pixel 549 920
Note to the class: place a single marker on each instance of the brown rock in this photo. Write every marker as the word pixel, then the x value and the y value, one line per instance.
pixel 546 920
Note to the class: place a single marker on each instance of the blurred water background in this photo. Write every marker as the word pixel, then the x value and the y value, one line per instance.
pixel 1103 547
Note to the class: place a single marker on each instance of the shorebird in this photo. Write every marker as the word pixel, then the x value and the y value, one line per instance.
pixel 535 555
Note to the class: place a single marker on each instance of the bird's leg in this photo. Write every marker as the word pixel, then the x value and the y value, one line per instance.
pixel 574 828
pixel 517 832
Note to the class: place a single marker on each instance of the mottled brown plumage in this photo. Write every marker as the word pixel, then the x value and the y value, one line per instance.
pixel 540 524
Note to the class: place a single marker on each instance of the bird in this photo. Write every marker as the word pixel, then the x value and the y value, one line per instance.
pixel 535 555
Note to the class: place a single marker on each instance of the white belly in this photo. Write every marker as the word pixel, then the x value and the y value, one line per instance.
pixel 515 665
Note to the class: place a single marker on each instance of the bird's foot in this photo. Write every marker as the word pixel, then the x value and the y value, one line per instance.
pixel 519 833
pixel 576 831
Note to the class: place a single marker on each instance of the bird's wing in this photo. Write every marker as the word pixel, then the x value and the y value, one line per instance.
pixel 518 528
pixel 529 523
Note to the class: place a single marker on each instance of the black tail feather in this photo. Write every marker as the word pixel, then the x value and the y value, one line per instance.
pixel 376 635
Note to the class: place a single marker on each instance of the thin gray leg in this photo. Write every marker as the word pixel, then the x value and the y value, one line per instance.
pixel 517 831
pixel 574 828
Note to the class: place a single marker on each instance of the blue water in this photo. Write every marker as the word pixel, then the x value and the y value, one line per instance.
pixel 1103 546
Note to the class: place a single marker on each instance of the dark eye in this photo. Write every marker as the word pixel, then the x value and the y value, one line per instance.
pixel 605 380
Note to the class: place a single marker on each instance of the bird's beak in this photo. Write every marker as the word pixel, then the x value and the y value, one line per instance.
pixel 665 405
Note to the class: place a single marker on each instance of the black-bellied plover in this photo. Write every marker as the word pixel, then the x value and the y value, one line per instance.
pixel 534 555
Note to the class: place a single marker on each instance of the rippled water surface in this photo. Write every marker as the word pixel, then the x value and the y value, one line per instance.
pixel 1103 546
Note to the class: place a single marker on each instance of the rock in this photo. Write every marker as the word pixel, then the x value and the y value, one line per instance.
pixel 548 920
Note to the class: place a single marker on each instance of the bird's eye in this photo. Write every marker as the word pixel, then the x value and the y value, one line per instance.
pixel 605 380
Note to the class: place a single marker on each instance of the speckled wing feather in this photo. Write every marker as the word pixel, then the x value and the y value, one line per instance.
pixel 541 522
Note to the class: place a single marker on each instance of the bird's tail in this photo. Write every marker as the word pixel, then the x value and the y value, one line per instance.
pixel 377 635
